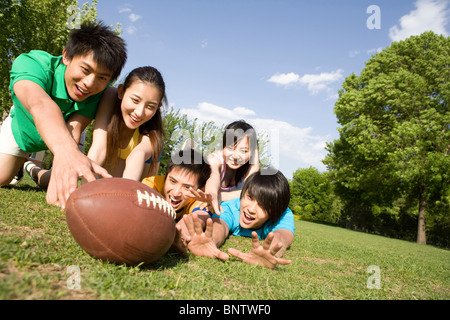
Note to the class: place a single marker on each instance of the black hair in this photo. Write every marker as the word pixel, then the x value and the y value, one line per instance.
pixel 234 133
pixel 191 161
pixel 107 47
pixel 270 188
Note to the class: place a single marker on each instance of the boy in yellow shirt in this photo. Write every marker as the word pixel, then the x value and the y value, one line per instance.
pixel 186 174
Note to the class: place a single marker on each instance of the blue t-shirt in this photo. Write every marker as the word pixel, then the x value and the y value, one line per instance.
pixel 231 212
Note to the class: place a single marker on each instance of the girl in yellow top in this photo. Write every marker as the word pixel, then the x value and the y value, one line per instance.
pixel 128 130
pixel 127 138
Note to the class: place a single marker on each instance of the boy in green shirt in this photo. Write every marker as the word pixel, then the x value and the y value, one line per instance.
pixel 54 99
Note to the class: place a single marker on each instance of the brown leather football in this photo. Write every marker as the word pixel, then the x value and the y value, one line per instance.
pixel 121 221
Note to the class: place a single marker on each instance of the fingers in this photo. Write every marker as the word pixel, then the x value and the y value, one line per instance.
pixel 222 255
pixel 180 242
pixel 189 224
pixel 209 228
pixel 236 253
pixel 268 241
pixel 194 194
pixel 65 185
pixel 100 171
pixel 255 240
pixel 180 235
pixel 217 208
pixel 283 261
pixel 65 178
pixel 197 226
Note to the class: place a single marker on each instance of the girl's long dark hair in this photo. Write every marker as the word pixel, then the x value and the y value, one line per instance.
pixel 153 128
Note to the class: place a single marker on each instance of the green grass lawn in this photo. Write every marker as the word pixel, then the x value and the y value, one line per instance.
pixel 36 249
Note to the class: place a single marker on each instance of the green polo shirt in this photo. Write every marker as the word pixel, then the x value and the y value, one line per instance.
pixel 48 72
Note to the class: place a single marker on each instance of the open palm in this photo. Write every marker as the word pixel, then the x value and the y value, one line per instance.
pixel 261 255
pixel 201 242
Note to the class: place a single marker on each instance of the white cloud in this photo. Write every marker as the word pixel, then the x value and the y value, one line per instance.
pixel 204 43
pixel 429 15
pixel 290 147
pixel 124 9
pixel 372 51
pixel 319 82
pixel 284 79
pixel 134 17
pixel 209 112
pixel 314 82
pixel 131 29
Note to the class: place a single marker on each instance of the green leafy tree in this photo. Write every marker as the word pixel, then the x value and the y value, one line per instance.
pixel 27 25
pixel 312 196
pixel 394 139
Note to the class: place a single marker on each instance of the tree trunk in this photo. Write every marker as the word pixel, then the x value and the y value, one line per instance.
pixel 421 236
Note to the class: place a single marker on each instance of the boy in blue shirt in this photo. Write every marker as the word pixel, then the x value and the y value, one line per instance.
pixel 261 212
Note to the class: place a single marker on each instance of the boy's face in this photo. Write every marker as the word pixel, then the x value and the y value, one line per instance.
pixel 251 216
pixel 176 187
pixel 84 77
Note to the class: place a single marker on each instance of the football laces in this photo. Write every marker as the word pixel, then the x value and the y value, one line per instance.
pixel 151 199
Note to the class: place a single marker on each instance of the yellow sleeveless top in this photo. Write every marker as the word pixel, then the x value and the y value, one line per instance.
pixel 124 153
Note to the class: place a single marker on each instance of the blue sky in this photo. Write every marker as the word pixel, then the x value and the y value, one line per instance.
pixel 278 64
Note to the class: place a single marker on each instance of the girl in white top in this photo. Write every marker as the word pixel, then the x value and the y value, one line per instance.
pixel 233 164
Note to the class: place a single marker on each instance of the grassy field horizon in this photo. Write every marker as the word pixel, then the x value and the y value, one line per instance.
pixel 37 254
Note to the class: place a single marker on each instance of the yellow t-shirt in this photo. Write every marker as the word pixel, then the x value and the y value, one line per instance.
pixel 157 183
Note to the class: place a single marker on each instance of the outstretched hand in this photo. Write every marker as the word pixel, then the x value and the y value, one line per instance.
pixel 66 170
pixel 201 242
pixel 209 201
pixel 261 255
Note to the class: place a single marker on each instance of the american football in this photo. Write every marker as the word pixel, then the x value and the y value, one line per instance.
pixel 121 221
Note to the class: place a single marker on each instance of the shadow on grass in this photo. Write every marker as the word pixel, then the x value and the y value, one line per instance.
pixel 167 261
pixel 24 187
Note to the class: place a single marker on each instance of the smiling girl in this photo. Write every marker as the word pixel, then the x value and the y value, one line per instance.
pixel 231 165
pixel 127 138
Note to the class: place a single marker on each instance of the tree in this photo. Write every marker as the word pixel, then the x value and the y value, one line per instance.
pixel 312 196
pixel 394 139
pixel 27 25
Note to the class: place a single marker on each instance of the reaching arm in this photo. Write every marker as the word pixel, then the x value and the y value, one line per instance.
pixel 105 110
pixel 135 163
pixel 68 162
pixel 213 184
